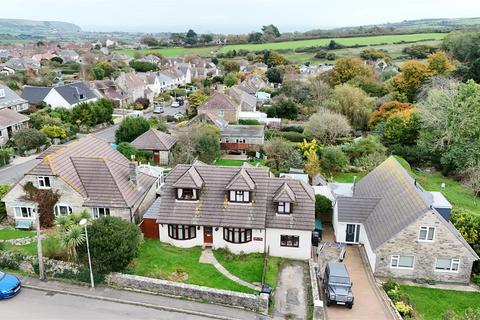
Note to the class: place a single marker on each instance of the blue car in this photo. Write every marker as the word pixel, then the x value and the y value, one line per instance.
pixel 9 285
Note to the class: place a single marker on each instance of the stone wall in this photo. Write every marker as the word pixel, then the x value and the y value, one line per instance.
pixel 406 243
pixel 317 301
pixel 26 264
pixel 216 296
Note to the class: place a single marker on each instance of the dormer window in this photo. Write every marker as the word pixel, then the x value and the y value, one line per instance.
pixel 81 96
pixel 43 182
pixel 187 194
pixel 284 208
pixel 239 196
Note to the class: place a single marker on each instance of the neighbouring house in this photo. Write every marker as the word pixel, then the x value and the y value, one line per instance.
pixel 43 56
pixel 109 90
pixel 404 229
pixel 164 80
pixel 158 142
pixel 242 209
pixel 66 96
pixel 10 122
pixel 134 86
pixel 68 55
pixel 23 64
pixel 89 175
pixel 10 100
pixel 221 106
pixel 247 102
pixel 120 58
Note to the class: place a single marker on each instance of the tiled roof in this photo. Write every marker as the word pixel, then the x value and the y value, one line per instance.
pixel 213 208
pixel 10 117
pixel 190 179
pixel 284 194
pixel 96 171
pixel 218 101
pixel 154 140
pixel 35 95
pixel 241 181
pixel 11 98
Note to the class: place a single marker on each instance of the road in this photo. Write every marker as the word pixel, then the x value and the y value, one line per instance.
pixel 40 305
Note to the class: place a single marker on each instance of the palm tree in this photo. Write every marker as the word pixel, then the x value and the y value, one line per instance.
pixel 72 238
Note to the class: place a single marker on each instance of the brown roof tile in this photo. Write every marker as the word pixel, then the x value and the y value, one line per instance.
pixel 154 140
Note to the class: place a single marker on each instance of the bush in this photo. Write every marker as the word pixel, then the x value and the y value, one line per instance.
pixel 298 129
pixel 143 66
pixel 249 122
pixel 322 205
pixel 11 260
pixel 28 139
pixel 292 136
pixel 131 128
pixel 114 242
pixel 404 309
pixel 390 284
pixel 333 160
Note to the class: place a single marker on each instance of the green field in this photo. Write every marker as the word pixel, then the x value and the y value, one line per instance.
pixel 291 45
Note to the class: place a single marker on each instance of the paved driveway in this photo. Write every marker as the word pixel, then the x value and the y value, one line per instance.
pixel 291 292
pixel 368 304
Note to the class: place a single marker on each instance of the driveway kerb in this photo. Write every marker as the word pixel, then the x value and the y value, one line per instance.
pixel 134 303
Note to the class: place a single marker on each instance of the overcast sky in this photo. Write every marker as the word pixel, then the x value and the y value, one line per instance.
pixel 232 16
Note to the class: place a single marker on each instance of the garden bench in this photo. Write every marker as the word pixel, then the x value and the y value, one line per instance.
pixel 23 224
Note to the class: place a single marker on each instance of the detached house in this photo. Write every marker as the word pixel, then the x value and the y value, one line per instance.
pixel 89 175
pixel 405 230
pixel 243 209
pixel 159 143
pixel 66 96
pixel 220 106
pixel 10 122
pixel 10 100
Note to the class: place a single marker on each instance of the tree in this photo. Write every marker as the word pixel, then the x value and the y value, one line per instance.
pixel 407 83
pixel 275 75
pixel 191 37
pixel 150 41
pixel 465 47
pixel 230 79
pixel 323 205
pixel 54 132
pixel 439 64
pixel 128 150
pixel 103 69
pixel 386 110
pixel 255 37
pixel 353 103
pixel 27 139
pixel 327 126
pixel 348 68
pixel 230 66
pixel 374 54
pixel 195 99
pixel 113 242
pixel 312 166
pixel 365 146
pixel 277 151
pixel 333 159
pixel 270 32
pixel 200 141
pixel 472 180
pixel 143 66
pixel 131 128
pixel 286 109
pixel 418 51
pixel 206 38
pixel 320 89
pixel 402 128
pixel 275 59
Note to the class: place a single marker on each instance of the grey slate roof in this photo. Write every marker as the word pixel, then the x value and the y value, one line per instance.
pixel 386 201
pixel 96 171
pixel 35 95
pixel 213 209
pixel 10 99
pixel 246 131
pixel 154 140
pixel 71 92
pixel 10 117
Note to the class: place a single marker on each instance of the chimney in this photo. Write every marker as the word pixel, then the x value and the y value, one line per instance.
pixel 132 171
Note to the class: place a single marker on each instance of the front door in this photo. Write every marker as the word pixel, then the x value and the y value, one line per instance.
pixel 207 235
pixel 352 233
pixel 156 157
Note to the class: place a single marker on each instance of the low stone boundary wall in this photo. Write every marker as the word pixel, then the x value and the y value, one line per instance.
pixel 317 301
pixel 169 288
pixel 14 260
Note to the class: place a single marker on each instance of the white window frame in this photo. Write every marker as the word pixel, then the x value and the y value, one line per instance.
pixel 239 196
pixel 397 258
pixel 32 213
pixel 453 261
pixel 427 229
pixel 96 212
pixel 41 181
pixel 284 208
pixel 57 209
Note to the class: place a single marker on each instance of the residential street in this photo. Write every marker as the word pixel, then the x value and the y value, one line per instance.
pixel 40 305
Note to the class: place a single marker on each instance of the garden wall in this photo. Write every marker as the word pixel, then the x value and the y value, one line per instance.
pixel 189 291
pixel 317 301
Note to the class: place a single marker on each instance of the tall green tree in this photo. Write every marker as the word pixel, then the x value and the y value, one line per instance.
pixel 131 128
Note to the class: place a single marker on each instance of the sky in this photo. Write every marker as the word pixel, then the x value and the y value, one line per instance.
pixel 232 16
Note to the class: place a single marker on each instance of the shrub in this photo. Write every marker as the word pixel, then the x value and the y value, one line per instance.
pixel 53 249
pixel 322 205
pixel 143 66
pixel 131 128
pixel 11 260
pixel 333 160
pixel 249 122
pixel 404 309
pixel 28 139
pixel 113 243
pixel 390 284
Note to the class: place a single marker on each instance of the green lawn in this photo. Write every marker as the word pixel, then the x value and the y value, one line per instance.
pixel 9 233
pixel 373 40
pixel 431 303
pixel 237 163
pixel 163 261
pixel 347 177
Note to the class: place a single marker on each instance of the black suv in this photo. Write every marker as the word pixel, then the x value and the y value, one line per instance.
pixel 337 285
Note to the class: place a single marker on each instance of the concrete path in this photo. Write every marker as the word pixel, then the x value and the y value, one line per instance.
pixel 208 258
pixel 291 292
pixel 140 299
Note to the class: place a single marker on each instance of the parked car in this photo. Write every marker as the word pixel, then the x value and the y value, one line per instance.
pixel 180 101
pixel 337 285
pixel 9 285
pixel 175 104
pixel 178 115
pixel 158 110
pixel 136 114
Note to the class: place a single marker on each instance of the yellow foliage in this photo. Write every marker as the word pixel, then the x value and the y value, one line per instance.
pixel 348 68
pixel 439 63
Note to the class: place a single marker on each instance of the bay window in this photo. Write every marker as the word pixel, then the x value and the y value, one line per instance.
pixel 447 264
pixel 24 212
pixel 239 196
pixel 237 235
pixel 181 232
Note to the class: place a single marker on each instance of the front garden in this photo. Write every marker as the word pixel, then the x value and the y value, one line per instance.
pixel 9 233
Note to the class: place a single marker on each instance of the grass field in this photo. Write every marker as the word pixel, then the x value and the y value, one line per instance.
pixel 430 304
pixel 291 45
pixel 237 163
pixel 163 261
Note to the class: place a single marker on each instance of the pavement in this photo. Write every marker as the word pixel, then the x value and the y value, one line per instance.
pixel 291 292
pixel 113 297
pixel 369 303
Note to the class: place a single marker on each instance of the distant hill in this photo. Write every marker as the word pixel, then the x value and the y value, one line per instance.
pixel 17 27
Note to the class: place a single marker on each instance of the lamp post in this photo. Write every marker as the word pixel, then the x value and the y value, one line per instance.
pixel 83 222
pixel 41 267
